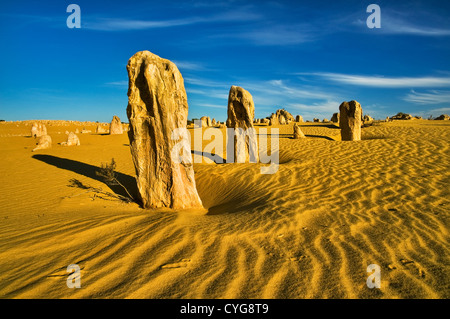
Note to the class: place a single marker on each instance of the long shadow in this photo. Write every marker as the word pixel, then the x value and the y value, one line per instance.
pixel 235 207
pixel 327 125
pixel 89 171
pixel 320 136
pixel 276 135
pixel 291 136
pixel 210 156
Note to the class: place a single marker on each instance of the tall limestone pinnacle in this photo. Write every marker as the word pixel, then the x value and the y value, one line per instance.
pixel 157 105
pixel 241 111
pixel 115 126
pixel 350 120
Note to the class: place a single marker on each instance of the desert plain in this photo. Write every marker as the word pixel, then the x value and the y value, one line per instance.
pixel 308 231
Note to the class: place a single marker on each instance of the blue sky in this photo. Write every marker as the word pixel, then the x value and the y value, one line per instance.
pixel 304 56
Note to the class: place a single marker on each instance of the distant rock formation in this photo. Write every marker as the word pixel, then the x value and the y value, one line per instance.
pixel 280 117
pixel 72 140
pixel 115 126
pixel 335 118
pixel 325 121
pixel 350 121
pixel 367 119
pixel 241 111
pixel 43 142
pixel 100 130
pixel 213 122
pixel 298 119
pixel 38 130
pixel 402 116
pixel 43 130
pixel 156 88
pixel 273 120
pixel 298 132
pixel 35 130
pixel 206 121
pixel 316 120
pixel 443 117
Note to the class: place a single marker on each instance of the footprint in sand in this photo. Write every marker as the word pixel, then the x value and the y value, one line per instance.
pixel 421 273
pixel 406 261
pixel 181 264
pixel 392 267
pixel 296 258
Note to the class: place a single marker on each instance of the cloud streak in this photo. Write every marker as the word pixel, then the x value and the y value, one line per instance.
pixel 190 66
pixel 117 24
pixel 397 23
pixel 431 97
pixel 383 82
pixel 392 25
pixel 274 35
pixel 120 84
pixel 267 95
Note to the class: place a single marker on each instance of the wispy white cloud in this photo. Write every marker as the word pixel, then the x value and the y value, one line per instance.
pixel 431 97
pixel 115 24
pixel 319 109
pixel 440 110
pixel 120 84
pixel 209 93
pixel 327 106
pixel 268 95
pixel 196 81
pixel 298 99
pixel 396 22
pixel 414 30
pixel 190 66
pixel 384 82
pixel 277 35
pixel 209 105
pixel 121 24
pixel 395 25
pixel 282 90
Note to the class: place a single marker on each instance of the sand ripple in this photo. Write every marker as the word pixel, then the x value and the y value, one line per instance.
pixel 309 231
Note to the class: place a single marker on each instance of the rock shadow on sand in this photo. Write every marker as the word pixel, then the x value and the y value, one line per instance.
pixel 319 136
pixel 210 156
pixel 90 171
pixel 236 207
pixel 332 126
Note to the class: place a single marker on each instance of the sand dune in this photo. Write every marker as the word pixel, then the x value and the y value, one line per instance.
pixel 308 231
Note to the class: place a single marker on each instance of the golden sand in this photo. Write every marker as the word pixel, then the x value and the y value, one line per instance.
pixel 308 231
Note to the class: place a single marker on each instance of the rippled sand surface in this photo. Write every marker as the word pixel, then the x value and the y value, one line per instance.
pixel 308 231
